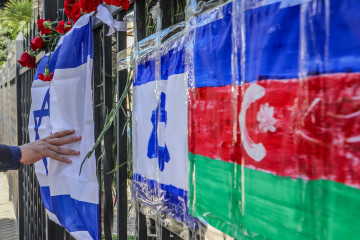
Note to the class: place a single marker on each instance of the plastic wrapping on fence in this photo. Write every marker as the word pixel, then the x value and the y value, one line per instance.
pixel 247 120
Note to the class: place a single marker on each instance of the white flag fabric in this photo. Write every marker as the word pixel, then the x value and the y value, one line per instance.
pixel 71 200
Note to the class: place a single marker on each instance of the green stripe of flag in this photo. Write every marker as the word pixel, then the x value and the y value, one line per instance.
pixel 275 207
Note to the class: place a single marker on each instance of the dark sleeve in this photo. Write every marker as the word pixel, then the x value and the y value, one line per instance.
pixel 9 158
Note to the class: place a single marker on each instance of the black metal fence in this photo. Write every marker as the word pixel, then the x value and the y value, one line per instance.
pixel 109 84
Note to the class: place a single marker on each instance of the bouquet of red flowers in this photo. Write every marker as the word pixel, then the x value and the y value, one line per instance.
pixel 50 33
pixel 46 40
pixel 75 8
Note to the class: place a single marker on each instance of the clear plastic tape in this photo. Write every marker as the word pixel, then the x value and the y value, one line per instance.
pixel 266 99
pixel 124 58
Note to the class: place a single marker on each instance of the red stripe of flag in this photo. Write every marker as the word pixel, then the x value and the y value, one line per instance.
pixel 317 122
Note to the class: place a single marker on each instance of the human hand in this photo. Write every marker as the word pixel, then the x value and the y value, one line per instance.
pixel 49 147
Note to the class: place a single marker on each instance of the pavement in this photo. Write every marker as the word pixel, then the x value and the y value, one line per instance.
pixel 8 225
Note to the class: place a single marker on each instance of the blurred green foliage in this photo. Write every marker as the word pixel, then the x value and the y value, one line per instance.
pixel 14 17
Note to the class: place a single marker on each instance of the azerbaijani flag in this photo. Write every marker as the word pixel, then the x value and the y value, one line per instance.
pixel 277 156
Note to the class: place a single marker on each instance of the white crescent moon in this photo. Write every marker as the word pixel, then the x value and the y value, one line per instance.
pixel 255 150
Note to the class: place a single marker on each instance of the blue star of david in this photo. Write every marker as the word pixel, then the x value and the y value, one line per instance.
pixel 38 115
pixel 154 150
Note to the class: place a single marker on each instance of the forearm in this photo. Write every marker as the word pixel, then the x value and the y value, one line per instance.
pixel 9 158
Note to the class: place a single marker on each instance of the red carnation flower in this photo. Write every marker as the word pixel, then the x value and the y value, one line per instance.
pixel 37 43
pixel 27 60
pixel 68 24
pixel 68 8
pixel 44 26
pixel 72 9
pixel 119 3
pixel 46 78
pixel 76 13
pixel 88 6
pixel 40 23
pixel 62 27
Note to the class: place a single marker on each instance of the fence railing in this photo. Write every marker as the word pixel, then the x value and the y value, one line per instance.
pixel 8 118
pixel 8 128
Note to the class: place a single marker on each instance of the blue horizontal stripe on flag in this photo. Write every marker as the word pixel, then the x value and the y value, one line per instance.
pixel 171 63
pixel 173 200
pixel 72 214
pixel 145 73
pixel 212 51
pixel 273 43
pixel 76 48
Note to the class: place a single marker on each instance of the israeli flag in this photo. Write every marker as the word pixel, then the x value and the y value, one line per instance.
pixel 160 152
pixel 62 104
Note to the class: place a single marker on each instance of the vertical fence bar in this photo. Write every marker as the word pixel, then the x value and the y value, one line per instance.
pixel 140 34
pixel 19 44
pixel 21 203
pixel 30 30
pixel 108 156
pixel 167 13
pixel 33 202
pixel 27 186
pixel 23 180
pixel 43 222
pixel 121 81
pixel 165 233
pixel 55 232
pixel 60 10
pixel 141 229
pixel 60 4
pixel 38 10
pixel 97 114
pixel 152 226
pixel 50 10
